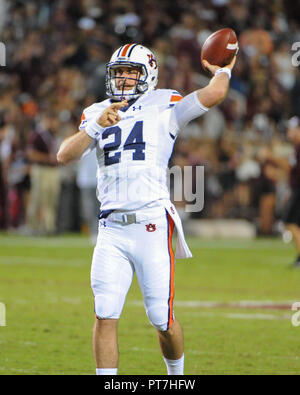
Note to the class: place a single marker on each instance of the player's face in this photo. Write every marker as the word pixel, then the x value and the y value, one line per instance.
pixel 126 77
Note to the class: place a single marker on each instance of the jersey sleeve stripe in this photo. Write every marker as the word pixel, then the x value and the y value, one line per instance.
pixel 175 98
pixel 83 122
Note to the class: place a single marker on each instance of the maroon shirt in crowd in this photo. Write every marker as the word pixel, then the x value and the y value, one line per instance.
pixel 44 142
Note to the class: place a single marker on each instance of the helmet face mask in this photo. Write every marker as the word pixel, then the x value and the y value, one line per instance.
pixel 137 56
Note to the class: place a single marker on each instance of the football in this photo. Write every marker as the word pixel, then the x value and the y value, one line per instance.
pixel 220 48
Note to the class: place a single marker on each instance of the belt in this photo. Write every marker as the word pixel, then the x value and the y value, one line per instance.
pixel 148 214
pixel 136 217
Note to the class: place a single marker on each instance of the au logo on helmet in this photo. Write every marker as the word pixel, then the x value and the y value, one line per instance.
pixel 152 61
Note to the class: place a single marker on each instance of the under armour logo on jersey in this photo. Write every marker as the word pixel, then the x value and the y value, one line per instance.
pixel 136 108
pixel 152 61
pixel 151 228
pixel 102 224
pixel 172 210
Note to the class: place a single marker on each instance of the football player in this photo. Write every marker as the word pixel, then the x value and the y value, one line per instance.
pixel 133 132
pixel 291 214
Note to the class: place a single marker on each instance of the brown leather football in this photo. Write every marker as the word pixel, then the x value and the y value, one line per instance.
pixel 220 47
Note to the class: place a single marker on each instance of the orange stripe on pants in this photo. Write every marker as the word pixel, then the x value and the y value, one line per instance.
pixel 172 270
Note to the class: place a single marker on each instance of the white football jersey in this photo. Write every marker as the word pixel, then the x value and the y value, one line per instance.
pixel 133 155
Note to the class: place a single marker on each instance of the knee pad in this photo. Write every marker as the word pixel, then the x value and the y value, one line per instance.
pixel 105 308
pixel 159 317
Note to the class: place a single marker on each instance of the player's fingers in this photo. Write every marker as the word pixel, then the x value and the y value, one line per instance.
pixel 112 118
pixel 110 121
pixel 210 67
pixel 232 63
pixel 206 64
pixel 114 115
pixel 117 106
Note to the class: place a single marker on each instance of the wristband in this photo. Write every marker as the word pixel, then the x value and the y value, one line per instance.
pixel 93 129
pixel 224 70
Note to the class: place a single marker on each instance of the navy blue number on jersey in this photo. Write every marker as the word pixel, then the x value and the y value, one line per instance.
pixel 133 142
pixel 108 148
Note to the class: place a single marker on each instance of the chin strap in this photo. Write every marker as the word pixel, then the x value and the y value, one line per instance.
pixel 121 93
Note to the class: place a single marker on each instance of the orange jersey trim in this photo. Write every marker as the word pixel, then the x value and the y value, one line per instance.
pixel 172 270
pixel 175 98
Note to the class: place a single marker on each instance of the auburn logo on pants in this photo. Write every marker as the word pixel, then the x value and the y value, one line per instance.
pixel 151 228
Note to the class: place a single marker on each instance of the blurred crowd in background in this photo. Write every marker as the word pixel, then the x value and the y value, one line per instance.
pixel 56 55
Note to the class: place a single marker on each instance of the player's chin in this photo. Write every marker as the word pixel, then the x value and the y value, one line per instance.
pixel 126 88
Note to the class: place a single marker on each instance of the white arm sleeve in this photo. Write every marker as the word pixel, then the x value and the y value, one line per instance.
pixel 186 110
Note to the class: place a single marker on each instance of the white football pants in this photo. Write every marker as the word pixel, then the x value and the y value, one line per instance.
pixel 144 248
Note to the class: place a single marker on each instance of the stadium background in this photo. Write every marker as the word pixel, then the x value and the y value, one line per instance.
pixel 56 53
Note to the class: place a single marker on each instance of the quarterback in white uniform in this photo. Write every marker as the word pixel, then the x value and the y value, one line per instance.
pixel 133 132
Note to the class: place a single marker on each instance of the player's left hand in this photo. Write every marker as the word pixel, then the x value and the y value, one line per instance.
pixel 213 68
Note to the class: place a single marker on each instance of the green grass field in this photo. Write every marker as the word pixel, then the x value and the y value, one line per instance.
pixel 44 284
